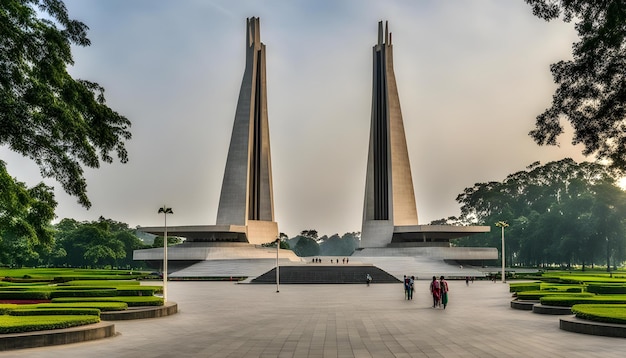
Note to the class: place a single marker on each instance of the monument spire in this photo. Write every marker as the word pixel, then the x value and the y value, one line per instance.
pixel 247 195
pixel 389 194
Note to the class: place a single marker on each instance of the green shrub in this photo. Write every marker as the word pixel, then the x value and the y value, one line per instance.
pixel 108 292
pixel 524 286
pixel 12 324
pixel 101 305
pixel 24 295
pixel 108 283
pixel 7 307
pixel 536 295
pixel 607 288
pixel 570 300
pixel 131 301
pixel 562 287
pixel 608 313
pixel 139 291
pixel 63 311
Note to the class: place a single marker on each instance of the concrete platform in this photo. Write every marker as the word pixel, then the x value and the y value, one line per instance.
pixel 224 319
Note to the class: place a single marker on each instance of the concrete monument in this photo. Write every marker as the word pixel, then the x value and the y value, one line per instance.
pixel 245 213
pixel 390 212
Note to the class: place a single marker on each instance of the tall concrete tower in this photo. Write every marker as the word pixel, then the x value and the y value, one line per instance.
pixel 247 195
pixel 389 194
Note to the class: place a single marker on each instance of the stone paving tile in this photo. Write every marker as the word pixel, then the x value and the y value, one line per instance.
pixel 222 319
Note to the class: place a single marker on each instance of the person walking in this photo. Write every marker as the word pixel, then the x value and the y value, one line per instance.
pixel 368 279
pixel 411 286
pixel 405 283
pixel 443 287
pixel 434 290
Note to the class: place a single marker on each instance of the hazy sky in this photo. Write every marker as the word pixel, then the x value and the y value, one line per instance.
pixel 472 76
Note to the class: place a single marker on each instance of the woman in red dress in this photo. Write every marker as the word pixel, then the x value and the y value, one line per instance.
pixel 435 291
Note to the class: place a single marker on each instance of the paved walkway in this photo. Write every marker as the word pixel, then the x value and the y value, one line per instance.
pixel 223 319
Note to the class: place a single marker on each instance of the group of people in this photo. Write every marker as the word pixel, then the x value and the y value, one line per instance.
pixel 317 260
pixel 439 290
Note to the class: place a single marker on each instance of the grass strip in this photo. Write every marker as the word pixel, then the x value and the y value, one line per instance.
pixel 569 301
pixel 14 324
pixel 130 301
pixel 608 313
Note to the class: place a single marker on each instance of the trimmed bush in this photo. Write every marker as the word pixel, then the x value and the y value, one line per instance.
pixel 139 291
pixel 7 307
pixel 562 287
pixel 12 324
pixel 102 306
pixel 537 295
pixel 108 283
pixel 571 300
pixel 607 288
pixel 108 292
pixel 131 301
pixel 24 295
pixel 28 311
pixel 601 312
pixel 524 286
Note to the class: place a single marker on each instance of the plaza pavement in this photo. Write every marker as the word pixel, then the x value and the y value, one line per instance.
pixel 224 319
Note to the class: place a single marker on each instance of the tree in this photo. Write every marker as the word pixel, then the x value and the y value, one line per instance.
pixel 306 246
pixel 591 92
pixel 171 241
pixel 60 122
pixel 560 213
pixel 98 243
pixel 25 217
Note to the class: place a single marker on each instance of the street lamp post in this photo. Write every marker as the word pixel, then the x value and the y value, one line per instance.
pixel 277 267
pixel 608 257
pixel 502 225
pixel 165 210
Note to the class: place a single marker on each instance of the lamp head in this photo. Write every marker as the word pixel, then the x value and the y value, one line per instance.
pixel 165 210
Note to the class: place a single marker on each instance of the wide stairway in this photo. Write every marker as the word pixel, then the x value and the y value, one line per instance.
pixel 323 274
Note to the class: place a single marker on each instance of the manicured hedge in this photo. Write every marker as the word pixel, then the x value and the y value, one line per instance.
pixel 7 307
pixel 569 301
pixel 582 278
pixel 108 283
pixel 536 295
pixel 138 291
pixel 13 324
pixel 107 292
pixel 62 311
pixel 24 295
pixel 101 305
pixel 607 288
pixel 562 287
pixel 609 313
pixel 131 301
pixel 524 286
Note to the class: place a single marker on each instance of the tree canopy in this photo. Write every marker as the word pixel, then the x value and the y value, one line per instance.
pixel 591 92
pixel 562 212
pixel 59 122
pixel 100 243
pixel 25 216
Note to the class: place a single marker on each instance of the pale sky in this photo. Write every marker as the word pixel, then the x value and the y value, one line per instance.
pixel 472 76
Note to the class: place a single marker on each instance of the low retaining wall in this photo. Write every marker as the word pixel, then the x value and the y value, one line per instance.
pixel 55 337
pixel 523 305
pixel 577 325
pixel 556 310
pixel 168 309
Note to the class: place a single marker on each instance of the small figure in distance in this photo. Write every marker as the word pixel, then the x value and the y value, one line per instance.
pixel 368 279
pixel 443 287
pixel 435 291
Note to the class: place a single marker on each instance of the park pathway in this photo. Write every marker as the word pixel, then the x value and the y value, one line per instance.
pixel 224 319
